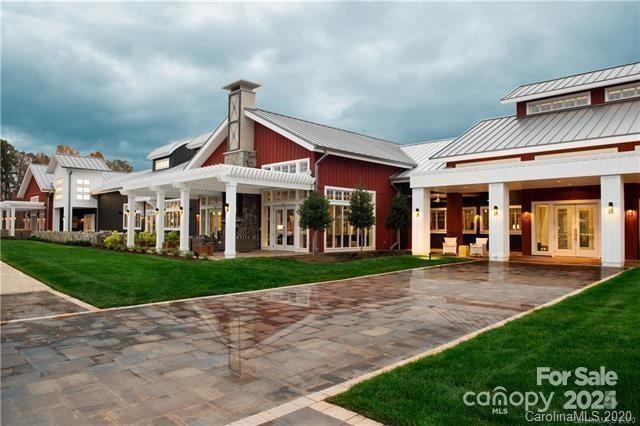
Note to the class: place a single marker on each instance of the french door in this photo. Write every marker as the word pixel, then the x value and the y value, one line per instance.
pixel 577 230
pixel 284 224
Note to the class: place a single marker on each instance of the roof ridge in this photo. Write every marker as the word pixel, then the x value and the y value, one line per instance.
pixel 327 126
pixel 429 141
pixel 572 75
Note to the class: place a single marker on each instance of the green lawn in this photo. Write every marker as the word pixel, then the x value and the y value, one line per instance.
pixel 600 327
pixel 107 279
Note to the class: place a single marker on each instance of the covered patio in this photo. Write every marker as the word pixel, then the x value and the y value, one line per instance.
pixel 221 180
pixel 32 212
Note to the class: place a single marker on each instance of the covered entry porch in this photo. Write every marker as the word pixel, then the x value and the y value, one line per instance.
pixel 216 193
pixel 23 216
pixel 581 207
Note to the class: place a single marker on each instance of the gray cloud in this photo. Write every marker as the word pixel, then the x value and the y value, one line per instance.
pixel 125 77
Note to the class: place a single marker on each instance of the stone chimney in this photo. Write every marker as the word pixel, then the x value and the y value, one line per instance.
pixel 240 150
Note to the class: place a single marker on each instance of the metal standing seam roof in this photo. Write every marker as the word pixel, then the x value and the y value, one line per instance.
pixel 334 139
pixel 117 182
pixel 421 153
pixel 574 83
pixel 505 133
pixel 44 179
pixel 78 162
pixel 166 150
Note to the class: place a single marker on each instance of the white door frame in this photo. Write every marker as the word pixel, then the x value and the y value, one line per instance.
pixel 283 209
pixel 553 226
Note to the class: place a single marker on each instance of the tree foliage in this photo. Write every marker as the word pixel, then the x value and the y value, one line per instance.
pixel 314 214
pixel 96 154
pixel 361 214
pixel 120 166
pixel 8 174
pixel 66 149
pixel 398 218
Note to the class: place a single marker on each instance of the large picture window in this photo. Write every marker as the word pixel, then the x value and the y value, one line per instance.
pixel 211 215
pixel 172 215
pixel 469 220
pixel 341 235
pixel 83 190
pixel 439 220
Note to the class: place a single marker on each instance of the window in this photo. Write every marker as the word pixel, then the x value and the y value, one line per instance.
pixel 125 217
pixel 58 189
pixel 515 219
pixel 297 166
pixel 439 220
pixel 556 104
pixel 341 235
pixel 484 220
pixel 622 92
pixel 161 164
pixel 469 220
pixel 83 192
pixel 34 199
pixel 211 214
pixel 172 215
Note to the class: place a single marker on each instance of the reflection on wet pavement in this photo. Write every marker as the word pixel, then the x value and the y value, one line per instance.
pixel 216 360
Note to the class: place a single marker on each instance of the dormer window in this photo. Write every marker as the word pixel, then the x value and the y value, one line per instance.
pixel 623 92
pixel 162 163
pixel 556 104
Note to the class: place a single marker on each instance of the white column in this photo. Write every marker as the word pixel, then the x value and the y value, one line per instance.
pixel 612 221
pixel 421 221
pixel 12 223
pixel 159 220
pixel 499 222
pixel 55 226
pixel 230 221
pixel 66 219
pixel 131 221
pixel 184 220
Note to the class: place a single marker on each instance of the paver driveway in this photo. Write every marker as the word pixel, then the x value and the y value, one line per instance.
pixel 216 360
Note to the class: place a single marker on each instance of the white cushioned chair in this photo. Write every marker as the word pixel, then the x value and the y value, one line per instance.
pixel 479 248
pixel 450 246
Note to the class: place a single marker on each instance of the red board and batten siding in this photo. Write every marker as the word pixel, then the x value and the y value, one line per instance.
pixel 33 190
pixel 272 147
pixel 218 155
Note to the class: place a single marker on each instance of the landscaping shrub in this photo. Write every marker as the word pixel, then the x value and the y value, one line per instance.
pixel 172 239
pixel 145 239
pixel 113 241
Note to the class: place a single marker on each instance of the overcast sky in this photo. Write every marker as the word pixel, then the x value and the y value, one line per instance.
pixel 124 78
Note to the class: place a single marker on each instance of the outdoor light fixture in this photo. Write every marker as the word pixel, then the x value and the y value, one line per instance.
pixel 226 207
pixel 128 211
pixel 525 215
pixel 438 198
pixel 157 210
pixel 417 212
pixel 495 210
pixel 476 218
pixel 630 212
pixel 610 210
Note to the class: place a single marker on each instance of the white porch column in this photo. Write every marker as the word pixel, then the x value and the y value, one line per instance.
pixel 421 221
pixel 499 222
pixel 12 223
pixel 612 221
pixel 55 218
pixel 184 219
pixel 131 221
pixel 66 219
pixel 230 221
pixel 159 220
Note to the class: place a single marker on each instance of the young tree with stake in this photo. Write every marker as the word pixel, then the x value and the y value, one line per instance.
pixel 398 218
pixel 361 214
pixel 314 214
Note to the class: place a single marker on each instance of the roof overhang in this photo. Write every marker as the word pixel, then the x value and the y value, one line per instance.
pixel 25 183
pixel 210 146
pixel 22 205
pixel 567 90
pixel 621 163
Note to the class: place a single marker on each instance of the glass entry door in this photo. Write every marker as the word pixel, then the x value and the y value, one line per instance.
pixel 576 230
pixel 284 223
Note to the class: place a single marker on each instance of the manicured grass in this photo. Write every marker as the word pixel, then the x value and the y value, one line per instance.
pixel 600 327
pixel 107 279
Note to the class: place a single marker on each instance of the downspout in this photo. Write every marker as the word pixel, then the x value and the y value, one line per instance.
pixel 316 174
pixel 69 212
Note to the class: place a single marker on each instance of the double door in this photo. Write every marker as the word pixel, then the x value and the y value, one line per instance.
pixel 577 230
pixel 284 223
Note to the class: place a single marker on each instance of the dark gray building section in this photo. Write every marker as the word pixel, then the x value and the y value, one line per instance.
pixel 110 211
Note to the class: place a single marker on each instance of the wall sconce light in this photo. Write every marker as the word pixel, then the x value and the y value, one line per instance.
pixel 157 210
pixel 476 219
pixel 438 198
pixel 525 215
pixel 226 207
pixel 610 209
pixel 495 210
pixel 417 212
pixel 128 211
pixel 630 212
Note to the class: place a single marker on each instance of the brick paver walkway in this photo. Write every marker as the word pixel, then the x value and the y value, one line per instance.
pixel 217 360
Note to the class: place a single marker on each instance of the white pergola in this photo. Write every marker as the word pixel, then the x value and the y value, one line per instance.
pixel 210 180
pixel 8 211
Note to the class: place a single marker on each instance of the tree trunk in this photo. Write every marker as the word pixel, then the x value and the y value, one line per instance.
pixel 398 236
pixel 315 242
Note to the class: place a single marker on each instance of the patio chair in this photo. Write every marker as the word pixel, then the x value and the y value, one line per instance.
pixel 450 246
pixel 479 248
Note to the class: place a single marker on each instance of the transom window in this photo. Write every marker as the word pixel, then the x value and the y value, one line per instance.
pixel 83 190
pixel 341 235
pixel 439 220
pixel 555 104
pixel 297 166
pixel 623 92
pixel 161 164
pixel 58 189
